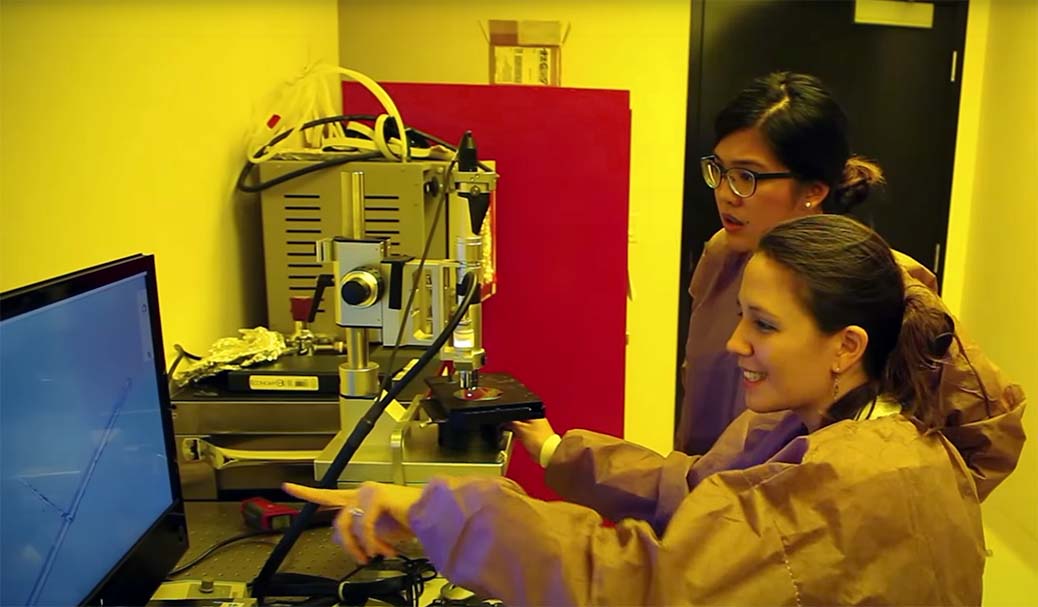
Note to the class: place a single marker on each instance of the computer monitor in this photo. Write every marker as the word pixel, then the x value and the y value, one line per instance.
pixel 90 504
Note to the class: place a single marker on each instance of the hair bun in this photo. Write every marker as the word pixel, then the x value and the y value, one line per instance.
pixel 860 176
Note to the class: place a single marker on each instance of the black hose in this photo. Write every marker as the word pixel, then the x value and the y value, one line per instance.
pixel 261 584
pixel 336 161
pixel 209 551
pixel 313 168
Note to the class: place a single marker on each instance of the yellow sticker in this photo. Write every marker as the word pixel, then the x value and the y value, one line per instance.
pixel 283 382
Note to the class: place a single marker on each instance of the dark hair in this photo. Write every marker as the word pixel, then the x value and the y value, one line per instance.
pixel 848 276
pixel 807 130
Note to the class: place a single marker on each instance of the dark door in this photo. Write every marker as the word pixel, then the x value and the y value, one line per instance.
pixel 898 85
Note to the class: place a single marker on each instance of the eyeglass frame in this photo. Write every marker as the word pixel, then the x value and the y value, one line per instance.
pixel 725 171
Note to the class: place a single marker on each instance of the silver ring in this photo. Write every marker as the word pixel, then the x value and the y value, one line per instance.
pixel 357 512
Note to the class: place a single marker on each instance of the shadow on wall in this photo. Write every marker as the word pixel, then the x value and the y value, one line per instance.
pixel 248 225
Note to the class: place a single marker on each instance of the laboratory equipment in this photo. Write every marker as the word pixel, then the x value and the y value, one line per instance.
pixel 384 290
pixel 386 245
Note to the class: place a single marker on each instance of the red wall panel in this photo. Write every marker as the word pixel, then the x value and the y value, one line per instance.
pixel 558 320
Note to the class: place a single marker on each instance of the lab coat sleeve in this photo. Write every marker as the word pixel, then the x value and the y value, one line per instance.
pixel 708 265
pixel 619 479
pixel 486 535
pixel 984 414
pixel 704 274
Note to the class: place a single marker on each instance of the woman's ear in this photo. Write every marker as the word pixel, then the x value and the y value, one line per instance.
pixel 851 347
pixel 812 194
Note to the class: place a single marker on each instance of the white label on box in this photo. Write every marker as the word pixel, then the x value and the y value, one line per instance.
pixel 283 382
pixel 523 65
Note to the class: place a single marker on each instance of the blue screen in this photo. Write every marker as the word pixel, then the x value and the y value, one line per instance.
pixel 84 469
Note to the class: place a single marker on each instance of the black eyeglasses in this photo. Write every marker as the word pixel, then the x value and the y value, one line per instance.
pixel 743 182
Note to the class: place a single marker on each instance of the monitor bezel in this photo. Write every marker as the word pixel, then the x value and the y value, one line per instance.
pixel 136 576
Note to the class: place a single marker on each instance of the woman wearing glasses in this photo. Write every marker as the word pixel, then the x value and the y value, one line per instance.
pixel 781 152
pixel 841 484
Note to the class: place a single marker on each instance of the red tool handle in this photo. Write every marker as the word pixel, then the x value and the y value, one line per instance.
pixel 301 307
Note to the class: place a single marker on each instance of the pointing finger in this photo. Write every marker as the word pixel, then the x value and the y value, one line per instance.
pixel 321 497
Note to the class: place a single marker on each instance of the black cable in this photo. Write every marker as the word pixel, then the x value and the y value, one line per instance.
pixel 212 549
pixel 172 368
pixel 280 553
pixel 313 601
pixel 366 424
pixel 313 168
pixel 181 355
pixel 414 284
pixel 338 160
pixel 420 571
pixel 181 350
pixel 247 169
pixel 449 146
pixel 405 590
pixel 309 125
pixel 353 442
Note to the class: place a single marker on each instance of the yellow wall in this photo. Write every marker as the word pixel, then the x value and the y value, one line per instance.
pixel 123 130
pixel 999 260
pixel 961 202
pixel 611 45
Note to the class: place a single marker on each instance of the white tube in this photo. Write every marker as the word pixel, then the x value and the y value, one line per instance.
pixel 295 114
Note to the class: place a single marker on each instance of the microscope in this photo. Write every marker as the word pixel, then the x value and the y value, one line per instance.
pixel 455 428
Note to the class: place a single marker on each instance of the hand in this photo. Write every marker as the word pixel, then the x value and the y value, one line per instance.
pixel 371 518
pixel 532 434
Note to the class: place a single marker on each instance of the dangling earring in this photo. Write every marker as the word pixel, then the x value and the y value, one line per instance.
pixel 836 384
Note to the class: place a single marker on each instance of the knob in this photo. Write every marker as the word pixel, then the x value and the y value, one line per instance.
pixel 355 292
pixel 360 288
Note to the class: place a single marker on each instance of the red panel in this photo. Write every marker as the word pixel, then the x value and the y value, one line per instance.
pixel 558 319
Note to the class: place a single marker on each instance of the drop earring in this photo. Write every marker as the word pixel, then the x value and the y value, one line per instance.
pixel 836 384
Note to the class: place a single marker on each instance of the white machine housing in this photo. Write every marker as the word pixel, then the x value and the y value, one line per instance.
pixel 400 200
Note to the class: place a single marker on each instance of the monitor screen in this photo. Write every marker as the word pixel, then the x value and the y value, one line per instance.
pixel 90 506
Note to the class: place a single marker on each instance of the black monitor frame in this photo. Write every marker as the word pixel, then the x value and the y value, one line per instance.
pixel 134 579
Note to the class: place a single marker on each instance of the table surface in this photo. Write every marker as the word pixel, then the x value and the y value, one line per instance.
pixel 314 553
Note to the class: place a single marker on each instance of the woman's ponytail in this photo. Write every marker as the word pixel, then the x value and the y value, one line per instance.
pixel 913 370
